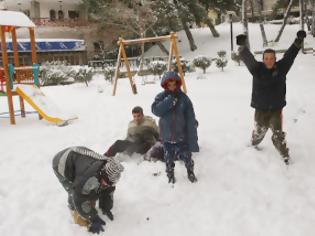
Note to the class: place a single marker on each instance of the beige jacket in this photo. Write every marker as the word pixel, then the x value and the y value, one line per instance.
pixel 146 132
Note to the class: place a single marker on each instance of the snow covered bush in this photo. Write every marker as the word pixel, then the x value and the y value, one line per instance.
pixel 184 63
pixel 83 74
pixel 202 62
pixel 236 57
pixel 108 72
pixel 56 72
pixel 221 61
pixel 157 67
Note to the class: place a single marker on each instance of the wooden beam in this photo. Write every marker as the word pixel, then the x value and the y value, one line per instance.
pixel 15 48
pixel 179 65
pixel 132 84
pixel 33 46
pixel 33 51
pixel 5 62
pixel 146 40
pixel 117 69
pixel 170 56
pixel 17 64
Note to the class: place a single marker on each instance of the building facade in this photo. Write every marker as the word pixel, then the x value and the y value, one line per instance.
pixel 45 12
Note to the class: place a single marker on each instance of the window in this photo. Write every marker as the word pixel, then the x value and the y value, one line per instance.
pixel 52 15
pixel 61 15
pixel 73 14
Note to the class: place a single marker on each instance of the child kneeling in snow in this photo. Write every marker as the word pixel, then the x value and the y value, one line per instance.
pixel 178 126
pixel 87 177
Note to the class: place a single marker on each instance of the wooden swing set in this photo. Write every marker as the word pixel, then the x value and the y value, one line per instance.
pixel 173 52
pixel 16 74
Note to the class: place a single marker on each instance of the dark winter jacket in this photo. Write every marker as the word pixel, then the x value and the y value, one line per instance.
pixel 269 85
pixel 81 167
pixel 177 117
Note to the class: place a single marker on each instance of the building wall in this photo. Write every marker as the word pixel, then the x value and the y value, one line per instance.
pixel 44 7
pixel 268 4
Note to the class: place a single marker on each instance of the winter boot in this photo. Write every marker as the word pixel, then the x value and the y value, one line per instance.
pixel 171 177
pixel 286 160
pixel 191 176
pixel 79 220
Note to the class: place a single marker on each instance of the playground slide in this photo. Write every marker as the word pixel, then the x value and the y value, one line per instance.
pixel 43 105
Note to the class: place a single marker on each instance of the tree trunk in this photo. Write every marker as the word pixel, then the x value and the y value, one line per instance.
pixel 302 19
pixel 245 21
pixel 313 18
pixel 252 10
pixel 214 32
pixel 302 14
pixel 140 68
pixel 189 35
pixel 161 45
pixel 286 15
pixel 307 18
pixel 261 24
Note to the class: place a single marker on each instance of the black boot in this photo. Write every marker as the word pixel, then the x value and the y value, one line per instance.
pixel 191 176
pixel 171 177
pixel 286 160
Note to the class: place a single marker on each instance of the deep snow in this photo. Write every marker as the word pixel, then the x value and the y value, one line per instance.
pixel 240 192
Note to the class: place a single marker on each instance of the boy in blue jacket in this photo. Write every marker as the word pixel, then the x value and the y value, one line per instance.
pixel 178 125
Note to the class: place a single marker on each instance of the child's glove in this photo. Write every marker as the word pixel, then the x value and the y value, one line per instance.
pixel 241 39
pixel 96 225
pixel 174 98
pixel 301 34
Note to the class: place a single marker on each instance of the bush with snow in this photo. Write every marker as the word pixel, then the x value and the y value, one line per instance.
pixel 109 72
pixel 202 62
pixel 58 72
pixel 221 61
pixel 84 74
pixel 157 67
pixel 184 63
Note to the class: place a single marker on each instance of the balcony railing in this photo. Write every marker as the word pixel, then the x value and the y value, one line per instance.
pixel 58 23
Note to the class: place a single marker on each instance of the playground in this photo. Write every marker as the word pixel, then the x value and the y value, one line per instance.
pixel 23 81
pixel 240 191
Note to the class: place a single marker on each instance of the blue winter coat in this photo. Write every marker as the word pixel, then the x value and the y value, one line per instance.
pixel 177 117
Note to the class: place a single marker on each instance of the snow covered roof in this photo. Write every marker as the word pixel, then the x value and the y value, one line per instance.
pixel 15 18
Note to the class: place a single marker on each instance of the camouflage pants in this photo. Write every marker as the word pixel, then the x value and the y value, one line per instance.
pixel 172 151
pixel 273 120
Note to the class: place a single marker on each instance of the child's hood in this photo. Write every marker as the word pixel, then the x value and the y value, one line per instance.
pixel 168 76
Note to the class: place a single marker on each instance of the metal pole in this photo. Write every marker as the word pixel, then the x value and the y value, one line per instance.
pixel 231 29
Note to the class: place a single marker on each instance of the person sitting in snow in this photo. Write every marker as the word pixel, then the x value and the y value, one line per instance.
pixel 87 177
pixel 178 126
pixel 142 134
pixel 269 90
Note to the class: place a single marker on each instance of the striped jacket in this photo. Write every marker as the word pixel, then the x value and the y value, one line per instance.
pixel 80 168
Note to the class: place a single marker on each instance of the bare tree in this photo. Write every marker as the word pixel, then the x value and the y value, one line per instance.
pixel 313 18
pixel 214 32
pixel 252 10
pixel 286 15
pixel 261 23
pixel 245 21
pixel 302 22
pixel 184 22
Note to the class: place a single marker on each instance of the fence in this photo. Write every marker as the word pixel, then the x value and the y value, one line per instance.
pixel 134 62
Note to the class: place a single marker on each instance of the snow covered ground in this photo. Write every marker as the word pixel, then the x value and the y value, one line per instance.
pixel 240 192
